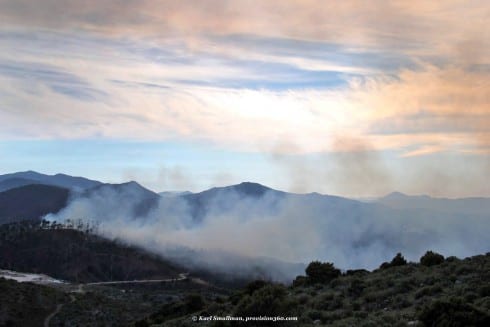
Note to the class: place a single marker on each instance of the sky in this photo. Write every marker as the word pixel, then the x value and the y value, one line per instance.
pixel 351 98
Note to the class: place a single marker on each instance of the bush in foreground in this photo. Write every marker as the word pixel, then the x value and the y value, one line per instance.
pixel 431 259
pixel 454 313
pixel 321 272
pixel 398 260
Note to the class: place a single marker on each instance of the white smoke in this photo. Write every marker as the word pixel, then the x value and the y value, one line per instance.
pixel 240 234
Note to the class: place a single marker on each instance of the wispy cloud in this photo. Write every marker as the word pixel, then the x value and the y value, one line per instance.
pixel 249 76
pixel 424 150
pixel 413 26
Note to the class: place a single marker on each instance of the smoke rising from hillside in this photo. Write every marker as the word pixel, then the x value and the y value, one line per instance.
pixel 237 234
pixel 353 167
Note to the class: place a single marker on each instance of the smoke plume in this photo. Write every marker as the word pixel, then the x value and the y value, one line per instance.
pixel 237 233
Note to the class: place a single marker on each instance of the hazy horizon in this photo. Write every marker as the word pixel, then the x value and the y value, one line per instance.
pixel 361 198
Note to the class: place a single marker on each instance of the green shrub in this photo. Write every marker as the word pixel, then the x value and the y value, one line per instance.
pixel 401 302
pixel 484 290
pixel 361 314
pixel 251 287
pixel 194 302
pixel 270 300
pixel 328 296
pixel 370 297
pixel 431 259
pixel 483 303
pixel 303 299
pixel 470 297
pixel 404 286
pixel 428 291
pixel 453 313
pixel 336 303
pixel 142 323
pixel 300 281
pixel 356 287
pixel 398 260
pixel 353 272
pixel 319 272
pixel 452 259
pixel 384 265
pixel 315 315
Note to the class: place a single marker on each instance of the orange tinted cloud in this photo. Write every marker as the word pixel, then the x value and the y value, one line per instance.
pixel 415 26
pixel 441 97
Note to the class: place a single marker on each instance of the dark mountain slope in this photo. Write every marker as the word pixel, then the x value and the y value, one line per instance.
pixel 31 202
pixel 250 189
pixel 61 180
pixel 130 188
pixel 76 256
pixel 247 199
pixel 225 199
pixel 15 182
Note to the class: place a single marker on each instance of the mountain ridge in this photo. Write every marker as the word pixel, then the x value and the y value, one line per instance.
pixel 42 199
pixel 472 205
pixel 61 180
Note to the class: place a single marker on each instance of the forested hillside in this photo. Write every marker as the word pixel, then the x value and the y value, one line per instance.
pixel 75 255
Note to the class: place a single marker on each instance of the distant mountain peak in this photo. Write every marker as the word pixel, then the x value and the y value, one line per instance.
pixel 130 186
pixel 252 184
pixel 395 194
pixel 134 185
pixel 28 173
pixel 248 189
pixel 251 189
